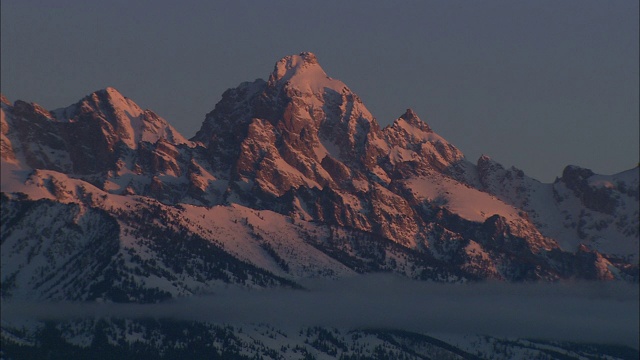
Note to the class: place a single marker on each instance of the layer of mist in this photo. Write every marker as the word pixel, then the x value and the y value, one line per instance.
pixel 583 311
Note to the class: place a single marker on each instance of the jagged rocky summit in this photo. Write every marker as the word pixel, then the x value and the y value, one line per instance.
pixel 287 179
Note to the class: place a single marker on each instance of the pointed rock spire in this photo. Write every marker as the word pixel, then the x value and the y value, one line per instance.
pixel 412 119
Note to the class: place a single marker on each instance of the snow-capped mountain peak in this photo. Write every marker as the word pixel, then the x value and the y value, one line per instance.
pixel 93 135
pixel 411 138
pixel 304 146
pixel 130 123
pixel 303 73
pixel 288 179
pixel 292 64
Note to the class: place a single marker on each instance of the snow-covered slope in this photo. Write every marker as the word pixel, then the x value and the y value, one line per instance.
pixel 141 250
pixel 580 207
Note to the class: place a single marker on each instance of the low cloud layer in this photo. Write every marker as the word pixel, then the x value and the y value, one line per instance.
pixel 590 312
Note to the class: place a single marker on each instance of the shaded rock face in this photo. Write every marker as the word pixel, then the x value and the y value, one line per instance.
pixel 600 199
pixel 303 145
pixel 85 138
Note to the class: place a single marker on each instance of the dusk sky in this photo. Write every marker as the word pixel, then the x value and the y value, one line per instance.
pixel 535 84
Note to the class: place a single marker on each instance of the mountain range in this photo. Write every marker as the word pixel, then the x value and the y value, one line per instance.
pixel 287 180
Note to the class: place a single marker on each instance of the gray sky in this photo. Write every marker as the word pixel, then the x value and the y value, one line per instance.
pixel 535 84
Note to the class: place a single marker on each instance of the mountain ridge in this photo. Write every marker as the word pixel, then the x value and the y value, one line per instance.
pixel 313 153
pixel 289 180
